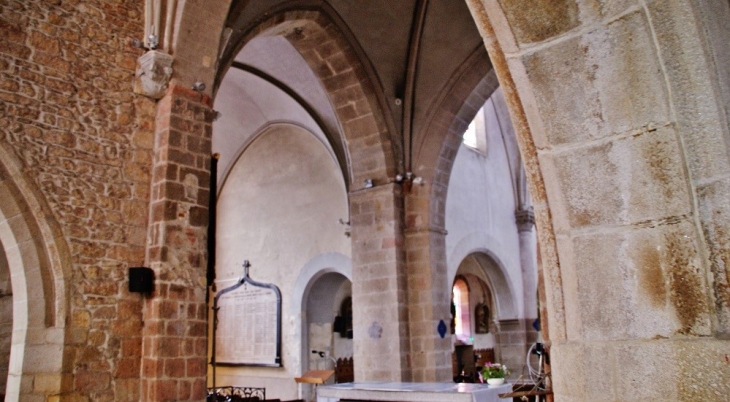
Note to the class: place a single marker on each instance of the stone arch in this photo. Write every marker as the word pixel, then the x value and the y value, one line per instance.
pixel 347 77
pixel 592 104
pixel 36 256
pixel 528 151
pixel 470 88
pixel 487 247
pixel 308 275
pixel 436 146
pixel 450 114
pixel 523 52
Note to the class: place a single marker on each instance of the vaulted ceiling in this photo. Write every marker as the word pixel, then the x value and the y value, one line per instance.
pixel 412 48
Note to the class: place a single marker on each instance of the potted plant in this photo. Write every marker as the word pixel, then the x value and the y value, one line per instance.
pixel 494 373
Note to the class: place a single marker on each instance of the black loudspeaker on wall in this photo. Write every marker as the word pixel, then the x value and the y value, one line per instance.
pixel 141 280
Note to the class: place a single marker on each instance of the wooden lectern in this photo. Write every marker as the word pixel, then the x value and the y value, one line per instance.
pixel 315 377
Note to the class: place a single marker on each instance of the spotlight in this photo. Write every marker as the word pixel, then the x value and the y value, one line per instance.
pixel 199 86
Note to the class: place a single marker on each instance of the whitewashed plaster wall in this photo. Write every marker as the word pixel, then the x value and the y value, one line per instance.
pixel 280 208
pixel 481 203
pixel 247 104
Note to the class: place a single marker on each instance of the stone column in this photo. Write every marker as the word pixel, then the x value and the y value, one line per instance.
pixel 428 289
pixel 516 335
pixel 379 284
pixel 528 261
pixel 511 351
pixel 174 348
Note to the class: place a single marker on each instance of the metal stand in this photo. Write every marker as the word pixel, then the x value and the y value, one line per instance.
pixel 540 378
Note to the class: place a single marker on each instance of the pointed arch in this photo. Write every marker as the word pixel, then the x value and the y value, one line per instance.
pixel 313 270
pixel 366 127
pixel 484 248
pixel 37 258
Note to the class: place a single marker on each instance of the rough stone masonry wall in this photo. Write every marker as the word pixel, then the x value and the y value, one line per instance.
pixel 68 112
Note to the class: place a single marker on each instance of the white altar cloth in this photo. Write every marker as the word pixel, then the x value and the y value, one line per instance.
pixel 411 392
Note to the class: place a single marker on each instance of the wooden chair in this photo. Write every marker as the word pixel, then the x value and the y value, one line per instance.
pixel 484 356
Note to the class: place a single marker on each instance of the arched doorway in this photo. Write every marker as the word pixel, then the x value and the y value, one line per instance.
pixel 329 321
pixel 498 332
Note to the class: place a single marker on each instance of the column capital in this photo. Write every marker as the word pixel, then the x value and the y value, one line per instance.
pixel 525 219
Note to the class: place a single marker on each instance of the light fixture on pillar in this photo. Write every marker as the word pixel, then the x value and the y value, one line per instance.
pixel 199 86
pixel 347 227
pixel 408 180
pixel 368 183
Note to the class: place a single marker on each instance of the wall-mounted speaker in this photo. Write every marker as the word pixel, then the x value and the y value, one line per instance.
pixel 141 280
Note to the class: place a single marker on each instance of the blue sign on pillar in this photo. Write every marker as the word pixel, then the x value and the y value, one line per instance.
pixel 441 328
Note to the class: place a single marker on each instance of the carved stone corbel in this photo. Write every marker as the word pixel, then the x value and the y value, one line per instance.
pixel 154 70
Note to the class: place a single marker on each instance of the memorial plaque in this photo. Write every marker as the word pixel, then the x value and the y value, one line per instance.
pixel 248 324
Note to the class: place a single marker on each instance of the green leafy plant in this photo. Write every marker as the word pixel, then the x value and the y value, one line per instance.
pixel 494 370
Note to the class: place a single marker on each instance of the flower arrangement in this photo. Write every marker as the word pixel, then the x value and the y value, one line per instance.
pixel 494 370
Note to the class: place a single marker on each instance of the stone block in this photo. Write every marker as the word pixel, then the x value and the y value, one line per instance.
pixel 46 383
pixel 537 21
pixel 661 268
pixel 702 369
pixel 712 200
pixel 641 371
pixel 340 81
pixel 174 368
pixel 127 368
pixel 568 359
pixel 688 68
pixel 606 81
pixel 89 382
pixel 127 390
pixel 629 180
pixel 607 9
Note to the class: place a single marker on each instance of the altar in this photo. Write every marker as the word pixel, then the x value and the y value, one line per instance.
pixel 411 392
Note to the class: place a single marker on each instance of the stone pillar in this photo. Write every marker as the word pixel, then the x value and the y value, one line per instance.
pixel 379 284
pixel 511 351
pixel 174 347
pixel 428 290
pixel 627 150
pixel 528 261
pixel 525 219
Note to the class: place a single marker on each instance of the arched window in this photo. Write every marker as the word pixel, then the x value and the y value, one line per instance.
pixel 462 321
pixel 470 135
pixel 475 136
